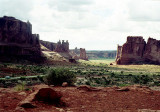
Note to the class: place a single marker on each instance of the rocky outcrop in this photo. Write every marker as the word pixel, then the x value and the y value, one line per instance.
pixel 44 94
pixel 132 50
pixel 79 54
pixel 118 53
pixel 57 51
pixel 83 54
pixel 50 45
pixel 152 51
pixel 62 46
pixel 135 50
pixel 94 54
pixel 57 47
pixel 16 39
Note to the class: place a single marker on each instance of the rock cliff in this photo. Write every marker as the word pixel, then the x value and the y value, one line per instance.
pixel 135 50
pixel 62 46
pixel 83 54
pixel 16 39
pixel 79 54
pixel 152 51
pixel 50 45
pixel 57 47
pixel 118 53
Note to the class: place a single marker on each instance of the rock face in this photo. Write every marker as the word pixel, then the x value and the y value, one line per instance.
pixel 118 53
pixel 152 51
pixel 62 46
pixel 135 50
pixel 50 45
pixel 94 54
pixel 57 51
pixel 16 38
pixel 57 47
pixel 79 54
pixel 83 54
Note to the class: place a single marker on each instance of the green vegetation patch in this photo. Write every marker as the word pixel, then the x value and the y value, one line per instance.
pixel 56 76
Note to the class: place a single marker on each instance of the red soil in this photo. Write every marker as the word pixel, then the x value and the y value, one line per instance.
pixel 83 100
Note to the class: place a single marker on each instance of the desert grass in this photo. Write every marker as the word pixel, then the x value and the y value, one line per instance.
pixel 97 62
pixel 146 68
pixel 135 68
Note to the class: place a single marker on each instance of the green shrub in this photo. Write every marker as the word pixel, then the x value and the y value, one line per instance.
pixel 88 83
pixel 157 83
pixel 123 85
pixel 20 87
pixel 79 71
pixel 57 76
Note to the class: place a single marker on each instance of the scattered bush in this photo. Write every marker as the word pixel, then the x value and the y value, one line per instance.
pixel 57 76
pixel 20 86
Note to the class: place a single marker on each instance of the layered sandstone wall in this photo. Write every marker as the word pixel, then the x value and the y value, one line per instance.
pixel 62 46
pixel 50 45
pixel 152 51
pixel 132 50
pixel 135 50
pixel 57 47
pixel 16 38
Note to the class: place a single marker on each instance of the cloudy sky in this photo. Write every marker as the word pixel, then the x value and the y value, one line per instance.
pixel 90 24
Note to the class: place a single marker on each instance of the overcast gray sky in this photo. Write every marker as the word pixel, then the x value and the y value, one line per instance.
pixel 90 24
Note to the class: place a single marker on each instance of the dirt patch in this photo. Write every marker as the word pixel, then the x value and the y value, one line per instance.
pixel 81 100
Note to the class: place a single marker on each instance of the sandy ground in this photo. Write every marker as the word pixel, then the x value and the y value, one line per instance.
pixel 84 100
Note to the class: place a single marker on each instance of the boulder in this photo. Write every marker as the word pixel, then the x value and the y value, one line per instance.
pixel 44 94
pixel 88 88
pixel 47 95
pixel 64 84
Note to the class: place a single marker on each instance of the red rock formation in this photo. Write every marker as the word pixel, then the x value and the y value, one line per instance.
pixel 62 46
pixel 16 38
pixel 132 50
pixel 42 94
pixel 50 45
pixel 79 54
pixel 135 50
pixel 83 54
pixel 119 49
pixel 152 51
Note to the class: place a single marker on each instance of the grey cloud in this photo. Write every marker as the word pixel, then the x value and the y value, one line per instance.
pixel 142 10
pixel 69 5
pixel 17 8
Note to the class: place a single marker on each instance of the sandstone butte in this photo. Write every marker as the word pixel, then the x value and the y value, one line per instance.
pixel 137 51
pixel 17 40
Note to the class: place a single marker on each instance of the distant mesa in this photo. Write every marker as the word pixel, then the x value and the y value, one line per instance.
pixel 137 51
pixel 79 54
